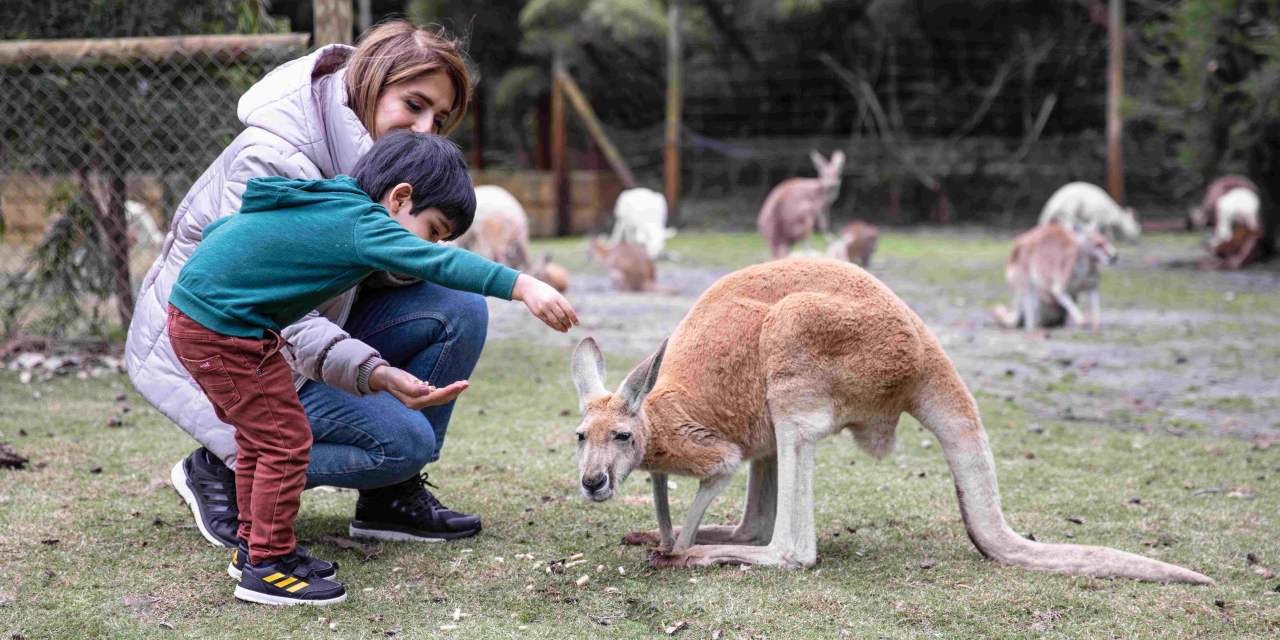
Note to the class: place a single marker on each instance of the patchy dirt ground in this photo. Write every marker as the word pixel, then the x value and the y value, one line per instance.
pixel 1181 350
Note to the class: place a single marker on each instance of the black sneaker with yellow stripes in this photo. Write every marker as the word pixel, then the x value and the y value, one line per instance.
pixel 306 562
pixel 284 582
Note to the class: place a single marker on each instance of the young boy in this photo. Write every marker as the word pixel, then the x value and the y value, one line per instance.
pixel 293 245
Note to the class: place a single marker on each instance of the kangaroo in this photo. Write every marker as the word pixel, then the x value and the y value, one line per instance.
pixel 797 205
pixel 551 273
pixel 856 242
pixel 500 229
pixel 1206 215
pixel 1237 228
pixel 630 267
pixel 1087 206
pixel 640 216
pixel 1049 267
pixel 770 360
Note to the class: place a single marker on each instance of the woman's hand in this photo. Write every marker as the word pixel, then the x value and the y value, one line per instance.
pixel 411 391
pixel 545 303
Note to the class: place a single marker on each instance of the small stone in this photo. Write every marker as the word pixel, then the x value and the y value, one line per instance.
pixel 582 582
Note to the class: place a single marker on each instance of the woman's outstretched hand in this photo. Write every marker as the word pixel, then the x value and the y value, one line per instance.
pixel 545 303
pixel 411 391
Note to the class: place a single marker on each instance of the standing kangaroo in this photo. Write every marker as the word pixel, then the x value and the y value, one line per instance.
pixel 769 360
pixel 797 206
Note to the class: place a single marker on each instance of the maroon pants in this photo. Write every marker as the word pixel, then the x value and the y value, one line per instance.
pixel 250 386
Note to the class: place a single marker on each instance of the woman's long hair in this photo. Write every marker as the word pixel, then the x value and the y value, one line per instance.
pixel 399 50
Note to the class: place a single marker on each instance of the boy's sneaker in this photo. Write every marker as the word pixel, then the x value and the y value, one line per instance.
pixel 306 562
pixel 209 488
pixel 408 511
pixel 285 582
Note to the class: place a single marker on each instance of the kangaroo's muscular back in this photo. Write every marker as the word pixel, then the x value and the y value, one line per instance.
pixel 822 320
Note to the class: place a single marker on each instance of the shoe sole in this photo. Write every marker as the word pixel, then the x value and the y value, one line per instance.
pixel 264 598
pixel 178 476
pixel 404 536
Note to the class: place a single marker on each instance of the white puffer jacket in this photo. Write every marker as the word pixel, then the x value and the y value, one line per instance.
pixel 298 125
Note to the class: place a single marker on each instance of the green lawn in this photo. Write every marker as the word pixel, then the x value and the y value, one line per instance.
pixel 94 543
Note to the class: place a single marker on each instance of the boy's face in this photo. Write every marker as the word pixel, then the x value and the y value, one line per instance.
pixel 430 224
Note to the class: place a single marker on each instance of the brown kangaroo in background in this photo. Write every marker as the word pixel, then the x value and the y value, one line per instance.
pixel 856 242
pixel 796 206
pixel 629 265
pixel 770 360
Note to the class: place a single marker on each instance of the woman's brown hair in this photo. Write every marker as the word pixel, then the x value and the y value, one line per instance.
pixel 398 50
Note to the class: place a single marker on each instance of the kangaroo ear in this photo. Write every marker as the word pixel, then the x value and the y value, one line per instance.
pixel 640 381
pixel 837 159
pixel 588 371
pixel 819 162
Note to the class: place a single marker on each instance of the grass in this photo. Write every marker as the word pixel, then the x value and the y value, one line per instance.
pixel 95 544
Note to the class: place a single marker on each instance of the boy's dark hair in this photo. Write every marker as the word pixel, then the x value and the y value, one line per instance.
pixel 432 164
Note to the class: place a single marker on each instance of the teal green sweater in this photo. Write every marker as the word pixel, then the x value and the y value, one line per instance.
pixel 297 243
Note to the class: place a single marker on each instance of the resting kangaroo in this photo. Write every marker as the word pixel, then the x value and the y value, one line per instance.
pixel 1048 269
pixel 769 360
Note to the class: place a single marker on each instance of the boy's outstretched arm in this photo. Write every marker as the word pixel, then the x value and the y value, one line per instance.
pixel 544 302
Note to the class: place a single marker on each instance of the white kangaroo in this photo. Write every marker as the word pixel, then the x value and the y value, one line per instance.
pixel 500 229
pixel 1086 206
pixel 796 206
pixel 771 359
pixel 640 216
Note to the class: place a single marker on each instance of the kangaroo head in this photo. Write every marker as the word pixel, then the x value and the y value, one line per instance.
pixel 1129 226
pixel 828 171
pixel 613 434
pixel 1099 249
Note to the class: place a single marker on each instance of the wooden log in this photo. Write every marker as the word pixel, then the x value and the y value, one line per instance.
pixel 110 51
pixel 592 124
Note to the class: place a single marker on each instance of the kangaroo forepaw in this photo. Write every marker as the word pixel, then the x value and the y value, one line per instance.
pixel 666 560
pixel 642 539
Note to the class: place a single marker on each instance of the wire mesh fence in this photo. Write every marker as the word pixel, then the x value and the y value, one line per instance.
pixel 101 141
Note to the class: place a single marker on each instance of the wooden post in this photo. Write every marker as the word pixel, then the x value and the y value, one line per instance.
pixel 477 129
pixel 332 22
pixel 366 15
pixel 594 128
pixel 671 151
pixel 560 152
pixel 1115 92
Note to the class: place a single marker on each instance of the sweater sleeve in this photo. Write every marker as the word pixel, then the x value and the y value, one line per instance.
pixel 382 243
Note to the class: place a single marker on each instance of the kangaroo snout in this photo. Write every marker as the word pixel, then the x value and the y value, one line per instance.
pixel 596 487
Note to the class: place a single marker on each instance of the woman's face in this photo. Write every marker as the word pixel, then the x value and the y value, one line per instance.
pixel 420 104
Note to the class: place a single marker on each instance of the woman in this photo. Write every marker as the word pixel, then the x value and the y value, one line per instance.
pixel 313 118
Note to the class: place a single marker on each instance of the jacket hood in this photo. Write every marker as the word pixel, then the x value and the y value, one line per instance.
pixel 273 193
pixel 304 102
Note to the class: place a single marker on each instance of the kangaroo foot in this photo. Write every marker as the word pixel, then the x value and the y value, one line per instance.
pixel 707 555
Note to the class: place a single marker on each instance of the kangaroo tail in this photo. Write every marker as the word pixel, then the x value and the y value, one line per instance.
pixel 945 407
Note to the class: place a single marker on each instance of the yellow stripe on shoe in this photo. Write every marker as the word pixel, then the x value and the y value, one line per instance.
pixel 273 577
pixel 295 587
pixel 286 582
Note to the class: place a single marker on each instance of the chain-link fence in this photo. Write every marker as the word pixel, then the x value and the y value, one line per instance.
pixel 101 139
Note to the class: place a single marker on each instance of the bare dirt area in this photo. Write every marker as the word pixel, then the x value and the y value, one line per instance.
pixel 1181 350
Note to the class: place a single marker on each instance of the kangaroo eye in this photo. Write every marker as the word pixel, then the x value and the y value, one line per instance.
pixel 582 437
pixel 622 437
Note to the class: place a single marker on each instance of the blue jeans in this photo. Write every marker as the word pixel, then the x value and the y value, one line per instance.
pixel 374 441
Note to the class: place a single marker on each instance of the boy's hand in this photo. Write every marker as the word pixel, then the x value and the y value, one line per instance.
pixel 545 303
pixel 411 391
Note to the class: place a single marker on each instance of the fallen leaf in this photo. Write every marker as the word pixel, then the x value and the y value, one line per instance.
pixel 928 563
pixel 1075 520
pixel 680 625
